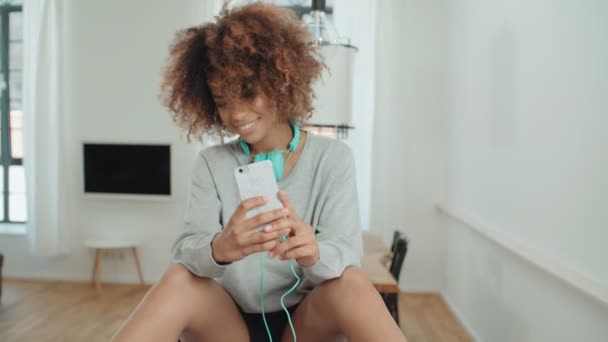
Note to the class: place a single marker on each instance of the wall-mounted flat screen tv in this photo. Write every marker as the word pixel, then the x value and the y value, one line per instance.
pixel 128 169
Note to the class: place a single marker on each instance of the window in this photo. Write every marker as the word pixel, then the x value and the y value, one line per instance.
pixel 12 173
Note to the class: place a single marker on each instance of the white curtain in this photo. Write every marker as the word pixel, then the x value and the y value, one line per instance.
pixel 43 87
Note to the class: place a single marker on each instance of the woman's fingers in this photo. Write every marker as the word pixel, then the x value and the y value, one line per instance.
pixel 266 246
pixel 246 205
pixel 246 239
pixel 262 219
pixel 289 244
pixel 296 226
pixel 261 237
pixel 299 252
pixel 286 202
pixel 280 224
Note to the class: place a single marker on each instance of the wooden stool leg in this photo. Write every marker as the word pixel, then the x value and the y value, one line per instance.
pixel 97 270
pixel 136 257
pixel 94 269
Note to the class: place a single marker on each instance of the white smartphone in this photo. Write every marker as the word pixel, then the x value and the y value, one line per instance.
pixel 258 179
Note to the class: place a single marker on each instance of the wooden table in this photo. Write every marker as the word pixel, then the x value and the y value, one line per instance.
pixel 374 250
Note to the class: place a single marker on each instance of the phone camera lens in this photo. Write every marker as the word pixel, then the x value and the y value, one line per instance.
pixel 240 170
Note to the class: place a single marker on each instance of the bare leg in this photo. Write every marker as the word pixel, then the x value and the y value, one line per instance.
pixel 349 305
pixel 182 304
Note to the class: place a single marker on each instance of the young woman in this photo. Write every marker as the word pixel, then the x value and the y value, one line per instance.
pixel 250 73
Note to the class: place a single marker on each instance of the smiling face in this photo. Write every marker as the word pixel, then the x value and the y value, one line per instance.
pixel 259 44
pixel 254 118
pixel 249 118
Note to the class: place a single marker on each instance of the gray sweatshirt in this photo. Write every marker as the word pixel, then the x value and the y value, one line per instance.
pixel 322 190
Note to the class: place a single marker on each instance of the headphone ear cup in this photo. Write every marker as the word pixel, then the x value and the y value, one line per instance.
pixel 278 163
pixel 275 157
pixel 259 157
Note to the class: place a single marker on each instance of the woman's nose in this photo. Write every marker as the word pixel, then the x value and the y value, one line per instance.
pixel 238 112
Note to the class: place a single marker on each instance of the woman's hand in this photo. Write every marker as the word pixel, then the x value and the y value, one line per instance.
pixel 239 237
pixel 301 244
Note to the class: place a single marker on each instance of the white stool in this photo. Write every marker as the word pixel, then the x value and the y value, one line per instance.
pixel 101 245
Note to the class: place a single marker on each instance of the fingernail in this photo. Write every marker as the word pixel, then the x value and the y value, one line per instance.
pixel 270 255
pixel 285 211
pixel 267 228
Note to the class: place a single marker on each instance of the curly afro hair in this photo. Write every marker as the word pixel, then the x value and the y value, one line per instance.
pixel 250 49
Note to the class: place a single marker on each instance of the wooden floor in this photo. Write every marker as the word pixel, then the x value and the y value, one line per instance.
pixel 426 318
pixel 58 311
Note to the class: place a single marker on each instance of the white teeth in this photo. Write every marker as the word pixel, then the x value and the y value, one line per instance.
pixel 247 126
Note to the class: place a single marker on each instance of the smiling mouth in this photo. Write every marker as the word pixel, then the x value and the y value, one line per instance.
pixel 248 127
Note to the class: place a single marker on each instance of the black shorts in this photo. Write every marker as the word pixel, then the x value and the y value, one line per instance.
pixel 277 323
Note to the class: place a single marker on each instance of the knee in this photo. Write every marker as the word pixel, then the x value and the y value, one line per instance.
pixel 177 274
pixel 356 280
pixel 178 278
pixel 353 281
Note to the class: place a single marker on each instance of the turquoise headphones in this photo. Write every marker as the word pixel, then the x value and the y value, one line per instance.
pixel 276 156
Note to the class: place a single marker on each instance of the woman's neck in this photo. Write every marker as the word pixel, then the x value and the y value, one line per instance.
pixel 278 137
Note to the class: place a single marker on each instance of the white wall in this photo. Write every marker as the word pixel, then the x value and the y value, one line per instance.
pixel 114 53
pixel 357 20
pixel 409 171
pixel 528 158
pixel 529 113
pixel 503 298
pixel 497 108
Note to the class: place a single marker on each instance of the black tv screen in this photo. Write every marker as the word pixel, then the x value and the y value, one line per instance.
pixel 127 169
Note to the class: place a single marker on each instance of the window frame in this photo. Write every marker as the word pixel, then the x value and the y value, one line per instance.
pixel 6 158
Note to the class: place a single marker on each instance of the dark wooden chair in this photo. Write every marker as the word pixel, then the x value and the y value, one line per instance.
pixel 386 259
pixel 399 249
pixel 396 237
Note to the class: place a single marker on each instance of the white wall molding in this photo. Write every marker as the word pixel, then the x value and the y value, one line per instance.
pixel 574 279
pixel 460 316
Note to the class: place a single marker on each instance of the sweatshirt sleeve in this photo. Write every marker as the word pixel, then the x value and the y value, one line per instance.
pixel 339 227
pixel 202 220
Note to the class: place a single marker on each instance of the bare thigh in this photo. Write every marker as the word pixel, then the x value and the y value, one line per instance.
pixel 345 306
pixel 309 325
pixel 314 318
pixel 183 305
